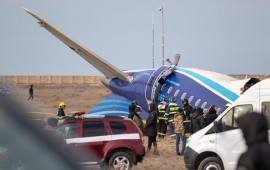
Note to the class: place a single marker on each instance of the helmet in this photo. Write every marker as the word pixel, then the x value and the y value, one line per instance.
pixel 185 100
pixel 135 102
pixel 173 100
pixel 164 99
pixel 61 104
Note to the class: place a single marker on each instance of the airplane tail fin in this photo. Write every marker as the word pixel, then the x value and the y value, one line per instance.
pixel 99 63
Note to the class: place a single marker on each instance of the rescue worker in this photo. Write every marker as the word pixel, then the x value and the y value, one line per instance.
pixel 137 119
pixel 172 109
pixel 151 128
pixel 255 131
pixel 162 126
pixel 186 117
pixel 61 113
pixel 179 131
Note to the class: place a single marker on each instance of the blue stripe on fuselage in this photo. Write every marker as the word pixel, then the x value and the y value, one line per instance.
pixel 214 85
pixel 109 106
pixel 114 101
pixel 110 112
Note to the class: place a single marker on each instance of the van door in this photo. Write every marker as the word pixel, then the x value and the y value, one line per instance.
pixel 230 141
pixel 265 109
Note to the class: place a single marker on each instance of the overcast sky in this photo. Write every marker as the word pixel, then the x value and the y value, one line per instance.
pixel 226 36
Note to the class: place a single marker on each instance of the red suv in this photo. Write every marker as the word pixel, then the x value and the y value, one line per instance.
pixel 104 140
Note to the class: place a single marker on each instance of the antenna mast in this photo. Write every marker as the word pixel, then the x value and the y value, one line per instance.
pixel 162 13
pixel 153 42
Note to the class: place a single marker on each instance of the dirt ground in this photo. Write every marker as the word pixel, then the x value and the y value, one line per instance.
pixel 84 97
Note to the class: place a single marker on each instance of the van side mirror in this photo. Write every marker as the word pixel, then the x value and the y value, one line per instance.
pixel 216 127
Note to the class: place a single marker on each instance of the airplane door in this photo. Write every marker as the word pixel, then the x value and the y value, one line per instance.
pixel 230 141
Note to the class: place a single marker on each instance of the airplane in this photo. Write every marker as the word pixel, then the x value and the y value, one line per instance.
pixel 201 87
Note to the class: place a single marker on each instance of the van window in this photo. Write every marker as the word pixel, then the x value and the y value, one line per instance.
pixel 69 130
pixel 228 121
pixel 94 129
pixel 266 111
pixel 118 127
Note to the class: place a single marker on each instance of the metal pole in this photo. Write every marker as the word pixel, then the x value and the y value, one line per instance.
pixel 162 12
pixel 153 51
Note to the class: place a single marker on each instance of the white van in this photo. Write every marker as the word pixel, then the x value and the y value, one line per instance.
pixel 219 145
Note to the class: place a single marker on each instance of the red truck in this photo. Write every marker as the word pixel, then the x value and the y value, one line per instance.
pixel 109 141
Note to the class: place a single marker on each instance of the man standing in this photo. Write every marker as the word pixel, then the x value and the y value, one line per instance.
pixel 179 131
pixel 151 128
pixel 31 92
pixel 131 109
pixel 172 109
pixel 186 117
pixel 137 119
pixel 162 126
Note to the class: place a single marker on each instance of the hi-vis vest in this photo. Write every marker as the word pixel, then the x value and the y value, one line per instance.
pixel 161 114
pixel 173 109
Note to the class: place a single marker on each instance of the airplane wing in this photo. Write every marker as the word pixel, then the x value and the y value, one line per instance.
pixel 99 63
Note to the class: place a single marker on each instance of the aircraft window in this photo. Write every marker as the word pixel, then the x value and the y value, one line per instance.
pixel 176 93
pixel 162 87
pixel 228 121
pixel 183 96
pixel 197 102
pixel 203 105
pixel 218 110
pixel 169 90
pixel 190 99
pixel 266 111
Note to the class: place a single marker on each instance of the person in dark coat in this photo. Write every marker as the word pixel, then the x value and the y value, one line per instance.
pixel 186 117
pixel 197 120
pixel 131 109
pixel 255 131
pixel 211 115
pixel 151 127
pixel 31 92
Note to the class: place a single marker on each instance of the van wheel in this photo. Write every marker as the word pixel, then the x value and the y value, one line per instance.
pixel 211 163
pixel 121 161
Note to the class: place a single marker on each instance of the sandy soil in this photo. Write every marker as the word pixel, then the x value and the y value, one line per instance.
pixel 83 98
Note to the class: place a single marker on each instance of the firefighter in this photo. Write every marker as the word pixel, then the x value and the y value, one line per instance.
pixel 61 113
pixel 186 117
pixel 162 126
pixel 172 109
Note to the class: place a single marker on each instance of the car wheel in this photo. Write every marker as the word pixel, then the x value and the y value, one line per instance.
pixel 120 160
pixel 211 163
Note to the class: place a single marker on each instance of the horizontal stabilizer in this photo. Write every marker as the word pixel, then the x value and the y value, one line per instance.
pixel 99 63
